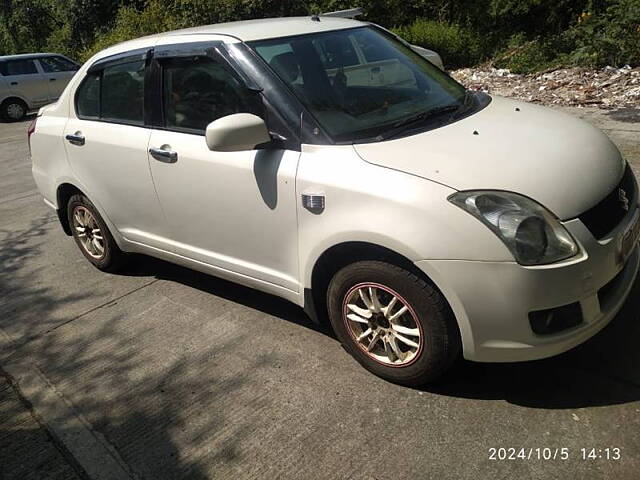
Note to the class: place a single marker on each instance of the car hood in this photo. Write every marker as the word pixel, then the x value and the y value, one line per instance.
pixel 558 160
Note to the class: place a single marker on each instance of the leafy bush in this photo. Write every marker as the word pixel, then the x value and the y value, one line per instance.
pixel 605 36
pixel 608 37
pixel 523 35
pixel 527 56
pixel 458 46
pixel 131 23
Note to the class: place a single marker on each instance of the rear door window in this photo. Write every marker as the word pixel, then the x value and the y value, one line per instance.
pixel 114 94
pixel 18 67
pixel 88 97
pixel 122 89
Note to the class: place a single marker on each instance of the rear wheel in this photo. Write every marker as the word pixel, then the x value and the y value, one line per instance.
pixel 393 322
pixel 13 109
pixel 92 235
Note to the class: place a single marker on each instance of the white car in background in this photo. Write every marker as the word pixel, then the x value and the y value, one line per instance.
pixel 324 161
pixel 29 81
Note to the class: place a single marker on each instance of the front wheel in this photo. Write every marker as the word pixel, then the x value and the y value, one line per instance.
pixel 393 322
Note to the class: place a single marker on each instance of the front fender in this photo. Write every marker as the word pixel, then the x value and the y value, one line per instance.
pixel 378 205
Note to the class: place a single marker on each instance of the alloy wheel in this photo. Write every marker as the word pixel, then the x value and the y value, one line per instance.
pixel 383 324
pixel 15 111
pixel 88 232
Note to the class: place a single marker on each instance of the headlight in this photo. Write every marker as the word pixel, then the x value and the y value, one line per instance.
pixel 531 232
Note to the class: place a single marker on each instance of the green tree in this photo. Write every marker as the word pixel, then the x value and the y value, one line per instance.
pixel 524 34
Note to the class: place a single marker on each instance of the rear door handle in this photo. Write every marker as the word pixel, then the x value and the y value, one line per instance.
pixel 164 154
pixel 52 79
pixel 14 83
pixel 75 139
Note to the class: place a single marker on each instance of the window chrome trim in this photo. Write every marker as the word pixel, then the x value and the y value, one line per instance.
pixel 138 55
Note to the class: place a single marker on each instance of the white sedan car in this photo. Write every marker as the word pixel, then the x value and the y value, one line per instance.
pixel 325 161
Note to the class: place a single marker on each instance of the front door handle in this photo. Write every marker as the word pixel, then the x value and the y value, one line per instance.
pixel 164 154
pixel 52 79
pixel 75 139
pixel 14 83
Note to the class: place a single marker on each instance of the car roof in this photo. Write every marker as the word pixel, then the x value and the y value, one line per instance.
pixel 244 31
pixel 268 28
pixel 26 56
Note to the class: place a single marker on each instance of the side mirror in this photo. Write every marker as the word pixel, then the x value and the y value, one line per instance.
pixel 237 132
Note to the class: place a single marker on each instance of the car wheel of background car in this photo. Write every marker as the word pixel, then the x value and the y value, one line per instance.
pixel 13 109
pixel 394 323
pixel 92 235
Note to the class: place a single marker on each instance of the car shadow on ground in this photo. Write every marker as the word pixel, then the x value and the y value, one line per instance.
pixel 603 371
pixel 627 115
pixel 145 266
pixel 154 401
pixel 27 118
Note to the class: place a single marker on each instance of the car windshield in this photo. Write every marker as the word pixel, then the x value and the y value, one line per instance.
pixel 361 83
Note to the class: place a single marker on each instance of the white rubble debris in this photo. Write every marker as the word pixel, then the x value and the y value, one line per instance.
pixel 606 88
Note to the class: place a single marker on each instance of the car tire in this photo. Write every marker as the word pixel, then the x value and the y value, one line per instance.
pixel 416 332
pixel 13 110
pixel 92 236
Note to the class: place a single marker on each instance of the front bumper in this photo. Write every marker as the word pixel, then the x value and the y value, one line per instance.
pixel 492 300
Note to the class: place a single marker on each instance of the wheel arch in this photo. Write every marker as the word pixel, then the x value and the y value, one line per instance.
pixel 15 97
pixel 342 254
pixel 63 193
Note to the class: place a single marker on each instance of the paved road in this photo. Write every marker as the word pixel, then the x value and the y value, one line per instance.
pixel 164 373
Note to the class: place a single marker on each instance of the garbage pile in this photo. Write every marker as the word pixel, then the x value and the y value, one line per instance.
pixel 605 88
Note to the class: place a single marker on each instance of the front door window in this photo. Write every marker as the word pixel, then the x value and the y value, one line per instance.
pixel 197 91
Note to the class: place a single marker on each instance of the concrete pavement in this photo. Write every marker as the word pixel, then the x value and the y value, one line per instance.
pixel 161 372
pixel 27 450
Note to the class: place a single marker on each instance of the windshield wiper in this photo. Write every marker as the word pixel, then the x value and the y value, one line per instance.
pixel 405 124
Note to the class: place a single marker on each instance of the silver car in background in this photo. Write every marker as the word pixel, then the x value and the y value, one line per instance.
pixel 29 81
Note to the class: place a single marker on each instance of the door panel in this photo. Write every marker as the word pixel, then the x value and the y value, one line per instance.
pixel 113 168
pixel 57 72
pixel 236 211
pixel 24 80
pixel 57 81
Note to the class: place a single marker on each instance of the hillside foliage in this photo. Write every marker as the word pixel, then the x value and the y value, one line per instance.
pixel 524 35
